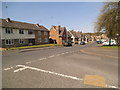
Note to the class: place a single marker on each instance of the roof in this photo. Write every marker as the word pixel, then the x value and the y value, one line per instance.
pixel 68 33
pixel 74 33
pixel 79 34
pixel 61 29
pixel 22 25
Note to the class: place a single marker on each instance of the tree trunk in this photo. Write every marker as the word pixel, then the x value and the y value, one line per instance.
pixel 110 36
pixel 109 41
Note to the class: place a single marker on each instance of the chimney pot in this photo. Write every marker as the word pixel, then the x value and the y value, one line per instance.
pixel 58 27
pixel 8 20
pixel 37 25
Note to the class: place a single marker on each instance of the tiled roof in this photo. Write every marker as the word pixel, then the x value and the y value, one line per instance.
pixel 74 33
pixel 68 33
pixel 79 34
pixel 21 25
pixel 61 30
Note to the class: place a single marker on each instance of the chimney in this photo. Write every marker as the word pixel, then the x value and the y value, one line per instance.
pixel 8 20
pixel 37 25
pixel 58 27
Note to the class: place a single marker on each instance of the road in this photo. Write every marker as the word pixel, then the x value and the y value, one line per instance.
pixel 60 67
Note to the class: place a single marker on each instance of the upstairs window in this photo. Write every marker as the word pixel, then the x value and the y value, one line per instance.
pixel 39 32
pixel 53 35
pixel 30 32
pixel 21 31
pixel 64 35
pixel 9 41
pixel 8 30
pixel 45 33
pixel 39 39
pixel 45 39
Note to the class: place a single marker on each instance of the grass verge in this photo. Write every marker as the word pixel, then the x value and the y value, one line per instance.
pixel 34 46
pixel 110 46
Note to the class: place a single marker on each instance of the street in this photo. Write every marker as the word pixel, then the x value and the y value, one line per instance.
pixel 59 67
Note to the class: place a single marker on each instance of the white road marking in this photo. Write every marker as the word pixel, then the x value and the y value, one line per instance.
pixel 109 86
pixel 42 59
pixel 8 68
pixel 51 56
pixel 20 69
pixel 62 53
pixel 36 60
pixel 58 55
pixel 28 62
pixel 23 67
pixel 45 71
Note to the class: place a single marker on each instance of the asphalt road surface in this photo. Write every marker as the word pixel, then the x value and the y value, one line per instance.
pixel 60 67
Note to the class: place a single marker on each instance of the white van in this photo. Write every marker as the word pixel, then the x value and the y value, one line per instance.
pixel 113 42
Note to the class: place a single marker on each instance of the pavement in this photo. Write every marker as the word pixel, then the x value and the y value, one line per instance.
pixel 65 67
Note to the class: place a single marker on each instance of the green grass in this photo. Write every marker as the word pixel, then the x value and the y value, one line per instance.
pixel 110 46
pixel 34 46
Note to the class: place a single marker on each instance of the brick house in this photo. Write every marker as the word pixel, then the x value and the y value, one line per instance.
pixel 58 34
pixel 15 33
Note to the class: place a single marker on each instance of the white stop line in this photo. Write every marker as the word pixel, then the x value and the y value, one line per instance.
pixel 23 67
pixel 45 71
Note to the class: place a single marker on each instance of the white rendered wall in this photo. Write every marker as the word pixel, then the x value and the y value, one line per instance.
pixel 16 35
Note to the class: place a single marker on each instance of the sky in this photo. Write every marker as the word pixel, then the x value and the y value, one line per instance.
pixel 79 16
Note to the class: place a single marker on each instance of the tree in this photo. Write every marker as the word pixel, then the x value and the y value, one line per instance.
pixel 108 20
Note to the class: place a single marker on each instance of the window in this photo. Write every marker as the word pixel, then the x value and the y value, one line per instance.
pixel 39 32
pixel 30 32
pixel 8 30
pixel 53 35
pixel 39 39
pixel 45 33
pixel 21 31
pixel 45 39
pixel 63 41
pixel 9 41
pixel 21 41
pixel 64 35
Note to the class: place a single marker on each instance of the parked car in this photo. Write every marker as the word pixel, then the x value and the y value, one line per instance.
pixel 82 43
pixel 99 42
pixel 67 44
pixel 107 42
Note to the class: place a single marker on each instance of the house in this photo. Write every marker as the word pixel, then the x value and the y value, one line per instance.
pixel 79 35
pixel 69 39
pixel 15 33
pixel 74 36
pixel 58 34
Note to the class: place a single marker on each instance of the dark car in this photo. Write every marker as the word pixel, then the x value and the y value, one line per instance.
pixel 82 43
pixel 99 42
pixel 67 44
